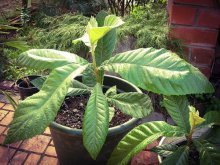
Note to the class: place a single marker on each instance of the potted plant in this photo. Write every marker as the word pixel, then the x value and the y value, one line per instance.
pixel 159 71
pixel 187 145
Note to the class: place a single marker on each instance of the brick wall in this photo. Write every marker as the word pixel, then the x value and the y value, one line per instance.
pixel 197 24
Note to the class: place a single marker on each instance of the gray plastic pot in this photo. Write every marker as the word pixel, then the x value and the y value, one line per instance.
pixel 23 89
pixel 68 142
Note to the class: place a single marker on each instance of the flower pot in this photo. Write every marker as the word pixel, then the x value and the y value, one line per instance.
pixel 68 142
pixel 23 89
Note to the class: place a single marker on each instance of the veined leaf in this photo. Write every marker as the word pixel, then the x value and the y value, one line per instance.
pixel 38 82
pixel 212 117
pixel 100 18
pixel 138 138
pixel 48 58
pixel 180 157
pixel 178 109
pixel 165 150
pixel 194 118
pixel 111 113
pixel 21 45
pixel 89 78
pixel 113 21
pixel 208 153
pixel 36 112
pixel 95 122
pixel 159 71
pixel 78 88
pixel 132 103
pixel 111 91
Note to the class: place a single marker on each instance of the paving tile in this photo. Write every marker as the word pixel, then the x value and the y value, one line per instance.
pixel 2 138
pixel 2 129
pixel 1 104
pixel 3 99
pixel 7 119
pixel 5 155
pixel 51 143
pixel 49 161
pixel 145 158
pixel 47 131
pixel 3 113
pixel 6 131
pixel 36 144
pixel 32 159
pixel 8 107
pixel 51 151
pixel 6 85
pixel 19 158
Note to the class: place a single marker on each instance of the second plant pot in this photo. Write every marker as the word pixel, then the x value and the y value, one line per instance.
pixel 69 142
pixel 26 88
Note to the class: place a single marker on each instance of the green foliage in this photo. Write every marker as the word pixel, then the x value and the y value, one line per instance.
pixel 157 70
pixel 138 138
pixel 95 121
pixel 148 25
pixel 160 70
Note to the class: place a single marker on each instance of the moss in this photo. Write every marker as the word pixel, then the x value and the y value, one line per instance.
pixel 148 24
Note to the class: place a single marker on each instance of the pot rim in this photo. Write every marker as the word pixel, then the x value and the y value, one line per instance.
pixel 112 130
pixel 20 80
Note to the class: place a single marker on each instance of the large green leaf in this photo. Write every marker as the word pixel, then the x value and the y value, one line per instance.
pixel 132 103
pixel 21 45
pixel 88 77
pixel 137 139
pixel 165 150
pixel 159 71
pixel 180 157
pixel 208 153
pixel 100 18
pixel 95 122
pixel 178 109
pixel 36 112
pixel 212 117
pixel 78 88
pixel 48 58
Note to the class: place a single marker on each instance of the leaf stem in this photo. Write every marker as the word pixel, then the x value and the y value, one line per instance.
pixel 96 70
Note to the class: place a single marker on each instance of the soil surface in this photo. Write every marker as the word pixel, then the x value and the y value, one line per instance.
pixel 72 111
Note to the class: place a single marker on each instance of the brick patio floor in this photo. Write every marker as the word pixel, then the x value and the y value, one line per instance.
pixel 40 149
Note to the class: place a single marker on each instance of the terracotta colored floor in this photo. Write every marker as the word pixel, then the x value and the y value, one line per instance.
pixel 40 149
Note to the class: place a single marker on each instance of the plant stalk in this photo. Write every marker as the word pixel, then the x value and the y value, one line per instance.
pixel 96 70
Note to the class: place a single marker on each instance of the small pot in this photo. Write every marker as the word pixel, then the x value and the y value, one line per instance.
pixel 23 89
pixel 68 142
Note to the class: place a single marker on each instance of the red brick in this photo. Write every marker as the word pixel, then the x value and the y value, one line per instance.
pixel 51 143
pixel 49 160
pixel 197 2
pixel 51 151
pixel 36 144
pixel 32 159
pixel 1 105
pixel 183 15
pixel 202 56
pixel 8 118
pixel 206 71
pixel 195 36
pixel 2 129
pixel 47 131
pixel 14 145
pixel 3 113
pixel 5 155
pixel 145 158
pixel 2 138
pixel 8 107
pixel 209 18
pixel 216 67
pixel 186 53
pixel 19 158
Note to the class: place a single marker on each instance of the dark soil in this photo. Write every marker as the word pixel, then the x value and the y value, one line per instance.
pixel 72 110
